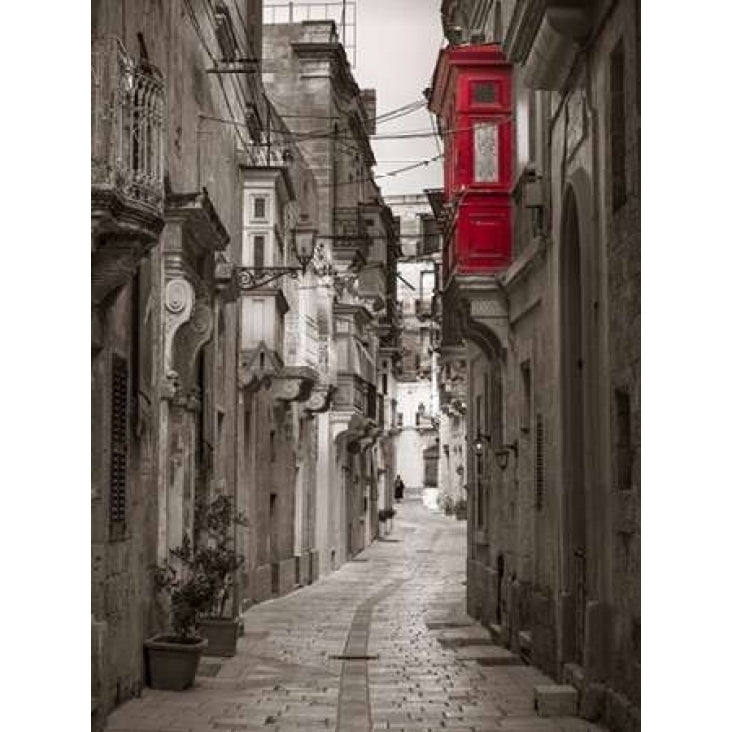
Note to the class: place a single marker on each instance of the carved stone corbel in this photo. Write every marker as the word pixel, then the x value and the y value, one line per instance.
pixel 248 380
pixel 189 339
pixel 320 400
pixel 179 298
pixel 294 384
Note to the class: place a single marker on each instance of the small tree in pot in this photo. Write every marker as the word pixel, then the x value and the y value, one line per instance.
pixel 219 562
pixel 390 513
pixel 197 580
pixel 173 658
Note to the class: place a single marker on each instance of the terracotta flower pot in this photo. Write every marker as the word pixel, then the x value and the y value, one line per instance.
pixel 173 663
pixel 221 634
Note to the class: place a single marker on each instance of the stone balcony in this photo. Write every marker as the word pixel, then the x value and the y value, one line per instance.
pixel 127 159
pixel 355 394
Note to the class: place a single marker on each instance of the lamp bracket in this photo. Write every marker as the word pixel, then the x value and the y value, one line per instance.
pixel 251 278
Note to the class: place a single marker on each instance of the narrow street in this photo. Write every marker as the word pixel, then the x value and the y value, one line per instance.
pixel 417 661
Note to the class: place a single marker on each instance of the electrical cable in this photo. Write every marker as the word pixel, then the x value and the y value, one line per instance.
pixel 390 174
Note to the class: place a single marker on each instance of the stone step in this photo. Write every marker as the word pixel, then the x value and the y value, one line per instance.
pixel 472 632
pixel 555 700
pixel 488 656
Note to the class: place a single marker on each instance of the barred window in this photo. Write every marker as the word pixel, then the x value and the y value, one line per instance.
pixel 118 445
pixel 539 462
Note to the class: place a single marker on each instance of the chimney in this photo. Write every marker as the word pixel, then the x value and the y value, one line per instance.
pixel 368 97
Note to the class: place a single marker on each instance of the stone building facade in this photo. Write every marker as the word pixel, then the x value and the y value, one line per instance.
pixel 309 80
pixel 416 378
pixel 203 383
pixel 163 209
pixel 550 342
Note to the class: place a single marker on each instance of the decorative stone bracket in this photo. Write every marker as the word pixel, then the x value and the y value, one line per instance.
pixel 256 368
pixel 357 434
pixel 188 341
pixel 294 383
pixel 320 399
pixel 476 309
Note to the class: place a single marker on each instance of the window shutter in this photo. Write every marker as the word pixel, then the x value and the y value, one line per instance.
pixel 118 452
pixel 539 462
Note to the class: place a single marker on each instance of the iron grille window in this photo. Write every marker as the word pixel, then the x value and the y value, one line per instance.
pixel 617 124
pixel 539 462
pixel 118 451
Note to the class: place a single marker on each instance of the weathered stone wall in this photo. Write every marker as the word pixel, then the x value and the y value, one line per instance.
pixel 623 287
pixel 535 514
pixel 199 152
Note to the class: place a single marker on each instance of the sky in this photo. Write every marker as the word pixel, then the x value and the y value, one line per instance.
pixel 397 42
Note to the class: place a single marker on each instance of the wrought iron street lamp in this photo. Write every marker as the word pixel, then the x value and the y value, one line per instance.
pixel 303 245
pixel 480 438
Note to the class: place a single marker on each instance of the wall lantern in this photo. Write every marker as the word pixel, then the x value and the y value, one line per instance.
pixel 303 246
pixel 480 438
pixel 503 452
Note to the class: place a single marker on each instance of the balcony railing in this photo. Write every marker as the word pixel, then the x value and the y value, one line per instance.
pixel 351 233
pixel 128 111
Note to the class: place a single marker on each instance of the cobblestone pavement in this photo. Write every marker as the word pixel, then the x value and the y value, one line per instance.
pixel 416 661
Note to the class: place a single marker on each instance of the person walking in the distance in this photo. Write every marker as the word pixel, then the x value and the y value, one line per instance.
pixel 398 488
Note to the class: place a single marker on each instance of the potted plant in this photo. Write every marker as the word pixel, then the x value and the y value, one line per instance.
pixel 382 521
pixel 448 506
pixel 219 562
pixel 389 513
pixel 461 509
pixel 173 658
pixel 198 581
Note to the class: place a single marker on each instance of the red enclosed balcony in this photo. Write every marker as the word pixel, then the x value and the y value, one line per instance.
pixel 472 97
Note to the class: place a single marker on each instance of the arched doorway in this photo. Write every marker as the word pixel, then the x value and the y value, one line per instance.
pixel 574 533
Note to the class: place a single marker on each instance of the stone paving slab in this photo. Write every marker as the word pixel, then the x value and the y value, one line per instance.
pixel 405 606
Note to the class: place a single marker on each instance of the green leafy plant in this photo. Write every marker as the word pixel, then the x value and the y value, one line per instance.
pixel 382 515
pixel 198 579
pixel 390 512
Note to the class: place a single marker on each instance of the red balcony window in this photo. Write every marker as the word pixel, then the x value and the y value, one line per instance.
pixel 472 97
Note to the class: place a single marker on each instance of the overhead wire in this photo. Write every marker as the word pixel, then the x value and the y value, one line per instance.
pixel 389 174
pixel 202 39
pixel 389 115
